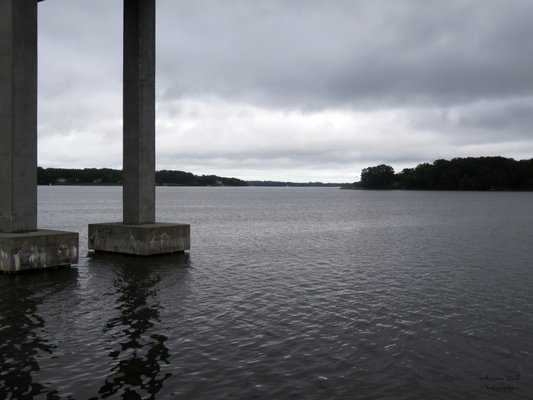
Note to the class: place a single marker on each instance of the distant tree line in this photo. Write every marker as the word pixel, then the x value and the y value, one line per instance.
pixel 168 177
pixel 293 184
pixel 53 176
pixel 107 176
pixel 472 173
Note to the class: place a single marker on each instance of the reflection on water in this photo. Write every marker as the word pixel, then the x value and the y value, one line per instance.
pixel 53 344
pixel 138 350
pixel 23 334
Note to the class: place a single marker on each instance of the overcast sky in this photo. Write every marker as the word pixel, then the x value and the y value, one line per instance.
pixel 301 90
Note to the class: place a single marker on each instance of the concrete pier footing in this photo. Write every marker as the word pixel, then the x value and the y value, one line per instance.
pixel 143 240
pixel 37 250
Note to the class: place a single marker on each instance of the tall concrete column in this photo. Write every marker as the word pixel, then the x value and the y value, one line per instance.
pixel 18 115
pixel 139 112
pixel 22 245
pixel 139 234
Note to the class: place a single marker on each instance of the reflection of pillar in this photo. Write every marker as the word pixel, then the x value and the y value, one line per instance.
pixel 139 234
pixel 27 344
pixel 21 344
pixel 139 112
pixel 139 355
pixel 18 115
pixel 22 246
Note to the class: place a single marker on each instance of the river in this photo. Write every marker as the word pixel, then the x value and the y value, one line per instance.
pixel 287 293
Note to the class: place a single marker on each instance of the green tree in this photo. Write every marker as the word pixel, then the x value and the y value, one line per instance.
pixel 379 177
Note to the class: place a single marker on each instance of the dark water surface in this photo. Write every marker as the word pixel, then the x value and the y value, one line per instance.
pixel 287 293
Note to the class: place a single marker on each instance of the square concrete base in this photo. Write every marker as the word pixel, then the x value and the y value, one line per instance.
pixel 141 240
pixel 37 250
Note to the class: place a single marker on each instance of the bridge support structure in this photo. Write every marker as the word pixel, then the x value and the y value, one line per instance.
pixel 22 245
pixel 139 233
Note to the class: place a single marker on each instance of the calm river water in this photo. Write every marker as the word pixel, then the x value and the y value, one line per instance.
pixel 287 293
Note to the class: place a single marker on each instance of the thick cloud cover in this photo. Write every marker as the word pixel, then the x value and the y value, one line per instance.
pixel 294 89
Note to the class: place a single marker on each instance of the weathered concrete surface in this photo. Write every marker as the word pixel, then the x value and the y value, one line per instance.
pixel 18 115
pixel 139 112
pixel 142 240
pixel 37 250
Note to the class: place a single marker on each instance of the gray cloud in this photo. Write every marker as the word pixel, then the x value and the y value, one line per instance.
pixel 345 53
pixel 494 120
pixel 508 120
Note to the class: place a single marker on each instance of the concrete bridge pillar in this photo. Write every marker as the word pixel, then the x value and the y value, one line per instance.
pixel 138 233
pixel 22 246
pixel 18 116
pixel 139 112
